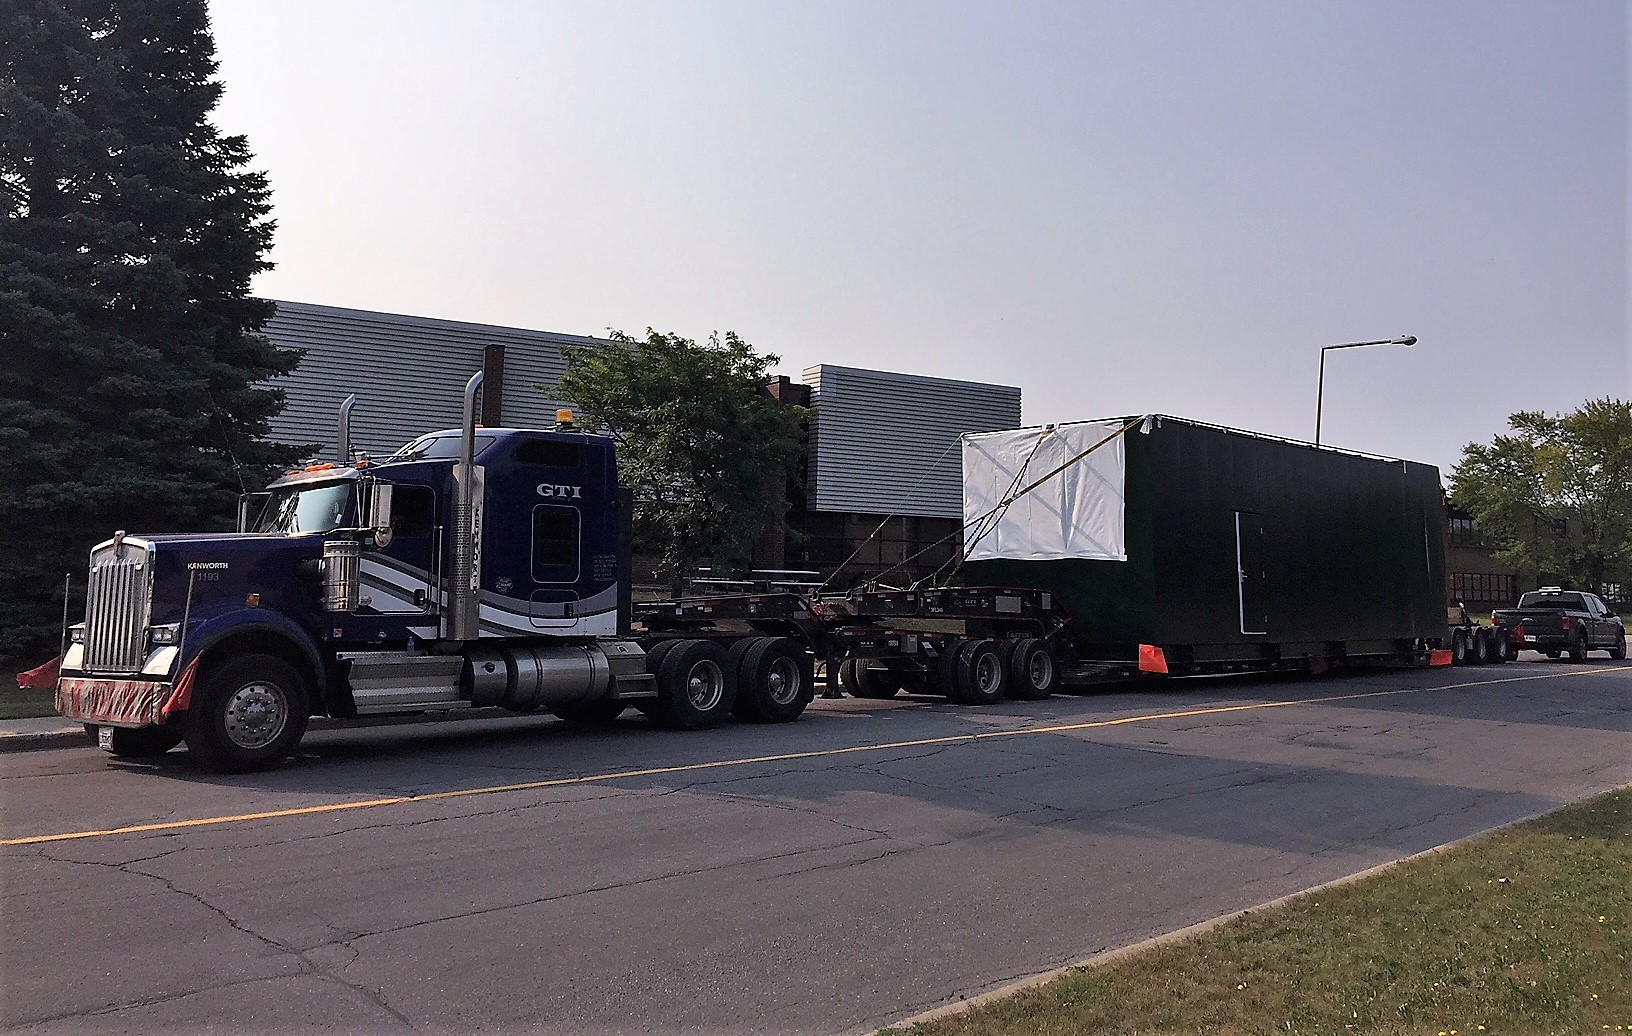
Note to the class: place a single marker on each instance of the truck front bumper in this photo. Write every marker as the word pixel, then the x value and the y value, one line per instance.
pixel 114 702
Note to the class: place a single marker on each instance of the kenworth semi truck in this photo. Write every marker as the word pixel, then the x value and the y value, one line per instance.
pixel 474 568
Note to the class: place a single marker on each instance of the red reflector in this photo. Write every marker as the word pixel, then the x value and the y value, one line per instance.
pixel 1518 634
pixel 1439 658
pixel 1152 659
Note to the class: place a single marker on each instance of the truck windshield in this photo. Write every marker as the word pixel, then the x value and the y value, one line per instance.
pixel 316 508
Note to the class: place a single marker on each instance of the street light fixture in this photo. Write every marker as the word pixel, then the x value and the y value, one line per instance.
pixel 1320 394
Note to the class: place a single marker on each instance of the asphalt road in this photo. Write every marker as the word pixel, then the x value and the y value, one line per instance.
pixel 869 862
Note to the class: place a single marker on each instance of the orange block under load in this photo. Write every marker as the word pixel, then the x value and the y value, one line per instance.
pixel 1439 658
pixel 1152 659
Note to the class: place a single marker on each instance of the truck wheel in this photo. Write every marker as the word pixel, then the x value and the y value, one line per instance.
pixel 1618 651
pixel 862 682
pixel 1578 647
pixel 593 713
pixel 1459 648
pixel 1506 650
pixel 1481 647
pixel 944 674
pixel 141 743
pixel 247 714
pixel 695 690
pixel 1032 672
pixel 776 680
pixel 981 679
pixel 654 657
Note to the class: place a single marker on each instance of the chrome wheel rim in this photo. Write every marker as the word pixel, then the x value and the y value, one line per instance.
pixel 705 686
pixel 987 675
pixel 1040 670
pixel 782 683
pixel 256 714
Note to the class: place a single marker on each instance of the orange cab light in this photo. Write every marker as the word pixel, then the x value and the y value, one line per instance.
pixel 252 600
pixel 319 467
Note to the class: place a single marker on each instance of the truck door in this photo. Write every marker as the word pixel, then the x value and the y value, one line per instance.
pixel 402 577
pixel 1251 576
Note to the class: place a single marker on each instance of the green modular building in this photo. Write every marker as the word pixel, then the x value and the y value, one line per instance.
pixel 1213 544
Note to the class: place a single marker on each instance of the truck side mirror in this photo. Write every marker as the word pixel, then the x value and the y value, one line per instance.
pixel 379 512
pixel 250 504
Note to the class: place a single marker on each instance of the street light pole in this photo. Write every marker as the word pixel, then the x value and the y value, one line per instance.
pixel 1320 393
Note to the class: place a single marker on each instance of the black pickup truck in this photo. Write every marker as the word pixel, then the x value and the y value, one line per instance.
pixel 1553 621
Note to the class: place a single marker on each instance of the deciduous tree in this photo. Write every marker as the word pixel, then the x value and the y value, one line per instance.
pixel 132 390
pixel 705 450
pixel 1556 494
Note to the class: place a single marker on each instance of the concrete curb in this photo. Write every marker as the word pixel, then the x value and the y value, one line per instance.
pixel 1110 956
pixel 26 741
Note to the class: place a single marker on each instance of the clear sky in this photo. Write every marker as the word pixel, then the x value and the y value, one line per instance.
pixel 1129 207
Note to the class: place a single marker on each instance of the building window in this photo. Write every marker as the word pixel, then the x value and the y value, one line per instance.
pixel 1484 587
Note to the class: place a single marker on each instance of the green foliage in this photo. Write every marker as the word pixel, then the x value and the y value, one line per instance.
pixel 1556 494
pixel 705 450
pixel 129 231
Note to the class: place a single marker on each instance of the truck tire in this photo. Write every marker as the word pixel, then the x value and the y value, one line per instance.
pixel 1578 646
pixel 980 674
pixel 1506 650
pixel 247 714
pixel 1481 647
pixel 654 657
pixel 141 743
pixel 861 682
pixel 1618 650
pixel 1459 647
pixel 590 713
pixel 775 681
pixel 1032 672
pixel 695 689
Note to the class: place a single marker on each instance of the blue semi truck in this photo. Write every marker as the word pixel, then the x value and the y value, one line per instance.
pixel 473 568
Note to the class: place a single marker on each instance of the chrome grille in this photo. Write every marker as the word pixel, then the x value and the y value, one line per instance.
pixel 116 614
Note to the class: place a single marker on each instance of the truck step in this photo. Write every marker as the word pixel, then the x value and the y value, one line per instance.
pixel 634 687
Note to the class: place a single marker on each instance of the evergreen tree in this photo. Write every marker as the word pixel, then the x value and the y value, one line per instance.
pixel 131 392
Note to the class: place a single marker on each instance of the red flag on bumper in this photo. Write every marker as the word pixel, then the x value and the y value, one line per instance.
pixel 42 678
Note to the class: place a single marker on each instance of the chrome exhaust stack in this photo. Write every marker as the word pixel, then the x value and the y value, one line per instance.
pixel 344 449
pixel 464 612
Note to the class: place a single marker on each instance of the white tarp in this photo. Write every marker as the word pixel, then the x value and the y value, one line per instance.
pixel 1078 513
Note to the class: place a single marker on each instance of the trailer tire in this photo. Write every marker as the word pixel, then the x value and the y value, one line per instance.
pixel 1459 647
pixel 1481 647
pixel 862 682
pixel 1033 674
pixel 775 681
pixel 1578 647
pixel 981 677
pixel 596 713
pixel 140 743
pixel 695 688
pixel 247 714
pixel 1504 651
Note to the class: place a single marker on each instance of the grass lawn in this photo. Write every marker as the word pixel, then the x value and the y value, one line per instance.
pixel 1524 931
pixel 19 704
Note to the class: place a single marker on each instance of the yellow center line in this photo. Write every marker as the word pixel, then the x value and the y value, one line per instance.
pixel 821 753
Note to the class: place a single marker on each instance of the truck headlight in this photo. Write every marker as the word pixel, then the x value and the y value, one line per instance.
pixel 76 634
pixel 167 634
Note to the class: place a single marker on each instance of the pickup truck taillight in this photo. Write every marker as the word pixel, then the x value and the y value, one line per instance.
pixel 1564 621
pixel 1518 634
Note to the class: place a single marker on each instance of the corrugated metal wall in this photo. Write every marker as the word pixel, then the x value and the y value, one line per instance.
pixel 409 374
pixel 886 443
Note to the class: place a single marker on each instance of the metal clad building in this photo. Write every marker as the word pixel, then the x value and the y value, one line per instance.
pixel 887 443
pixel 409 374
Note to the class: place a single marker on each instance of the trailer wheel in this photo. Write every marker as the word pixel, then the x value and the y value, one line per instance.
pixel 862 682
pixel 142 743
pixel 1481 647
pixel 247 714
pixel 1032 672
pixel 592 713
pixel 695 690
pixel 1578 647
pixel 1504 650
pixel 1459 648
pixel 776 680
pixel 981 679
